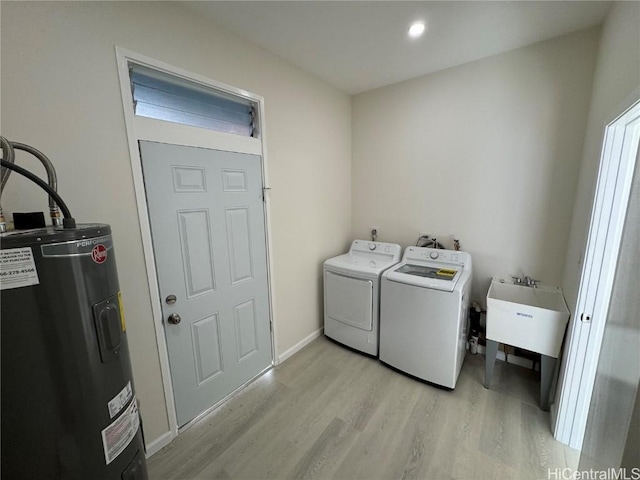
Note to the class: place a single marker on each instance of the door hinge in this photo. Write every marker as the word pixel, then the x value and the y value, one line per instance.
pixel 264 192
pixel 585 318
pixel 270 325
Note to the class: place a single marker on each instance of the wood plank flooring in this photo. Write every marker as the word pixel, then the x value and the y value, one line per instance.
pixel 328 412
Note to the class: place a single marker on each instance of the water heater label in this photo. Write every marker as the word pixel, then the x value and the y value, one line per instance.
pixel 118 402
pixel 96 248
pixel 17 268
pixel 117 436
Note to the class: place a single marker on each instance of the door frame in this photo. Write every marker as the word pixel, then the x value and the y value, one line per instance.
pixel 141 128
pixel 577 375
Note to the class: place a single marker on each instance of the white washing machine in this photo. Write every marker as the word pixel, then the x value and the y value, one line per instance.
pixel 352 292
pixel 423 318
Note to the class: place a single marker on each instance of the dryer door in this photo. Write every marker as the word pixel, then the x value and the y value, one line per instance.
pixel 349 300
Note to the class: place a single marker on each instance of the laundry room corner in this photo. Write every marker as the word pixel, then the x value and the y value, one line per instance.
pixel 454 170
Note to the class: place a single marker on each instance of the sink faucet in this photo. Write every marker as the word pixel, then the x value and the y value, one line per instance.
pixel 527 281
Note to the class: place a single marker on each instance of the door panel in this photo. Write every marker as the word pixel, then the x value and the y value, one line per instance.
pixel 196 248
pixel 205 335
pixel 207 223
pixel 239 243
pixel 244 316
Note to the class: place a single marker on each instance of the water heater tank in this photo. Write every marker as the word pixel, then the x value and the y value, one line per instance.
pixel 69 409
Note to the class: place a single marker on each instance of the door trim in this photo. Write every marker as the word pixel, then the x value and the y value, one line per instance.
pixel 578 368
pixel 140 128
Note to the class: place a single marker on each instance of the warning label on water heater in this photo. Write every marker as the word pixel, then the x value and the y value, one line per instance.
pixel 119 401
pixel 17 268
pixel 117 436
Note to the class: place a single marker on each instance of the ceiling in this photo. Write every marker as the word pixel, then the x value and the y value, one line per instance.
pixel 361 45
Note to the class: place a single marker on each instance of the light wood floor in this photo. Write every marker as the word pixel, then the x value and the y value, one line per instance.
pixel 328 412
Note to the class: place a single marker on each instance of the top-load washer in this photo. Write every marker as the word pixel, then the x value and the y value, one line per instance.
pixel 423 318
pixel 352 292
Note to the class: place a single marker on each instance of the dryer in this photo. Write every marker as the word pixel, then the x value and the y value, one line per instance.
pixel 352 292
pixel 424 310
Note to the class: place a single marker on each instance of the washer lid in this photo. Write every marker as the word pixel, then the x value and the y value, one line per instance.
pixel 434 276
pixel 368 266
pixel 366 258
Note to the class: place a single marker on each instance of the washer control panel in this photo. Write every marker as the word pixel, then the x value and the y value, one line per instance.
pixel 433 255
pixel 377 249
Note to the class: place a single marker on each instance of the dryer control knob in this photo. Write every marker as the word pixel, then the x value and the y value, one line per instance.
pixel 434 255
pixel 372 246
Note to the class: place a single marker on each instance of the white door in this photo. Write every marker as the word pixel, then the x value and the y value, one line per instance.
pixel 586 328
pixel 207 225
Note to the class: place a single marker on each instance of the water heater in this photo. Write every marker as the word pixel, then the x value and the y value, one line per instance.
pixel 69 409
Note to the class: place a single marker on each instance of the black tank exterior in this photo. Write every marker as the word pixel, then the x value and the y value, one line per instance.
pixel 69 409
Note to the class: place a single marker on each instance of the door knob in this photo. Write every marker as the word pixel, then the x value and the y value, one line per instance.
pixel 174 319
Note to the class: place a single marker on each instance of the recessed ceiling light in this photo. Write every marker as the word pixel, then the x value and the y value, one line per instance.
pixel 416 29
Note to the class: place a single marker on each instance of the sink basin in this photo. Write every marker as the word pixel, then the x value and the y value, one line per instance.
pixel 531 318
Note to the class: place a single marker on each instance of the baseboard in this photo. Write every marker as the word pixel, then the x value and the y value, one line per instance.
pixel 300 345
pixel 158 444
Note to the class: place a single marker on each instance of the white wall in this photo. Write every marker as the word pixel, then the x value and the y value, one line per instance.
pixel 60 93
pixel 488 151
pixel 616 85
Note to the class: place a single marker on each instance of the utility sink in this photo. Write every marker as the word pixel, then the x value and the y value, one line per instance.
pixel 531 318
